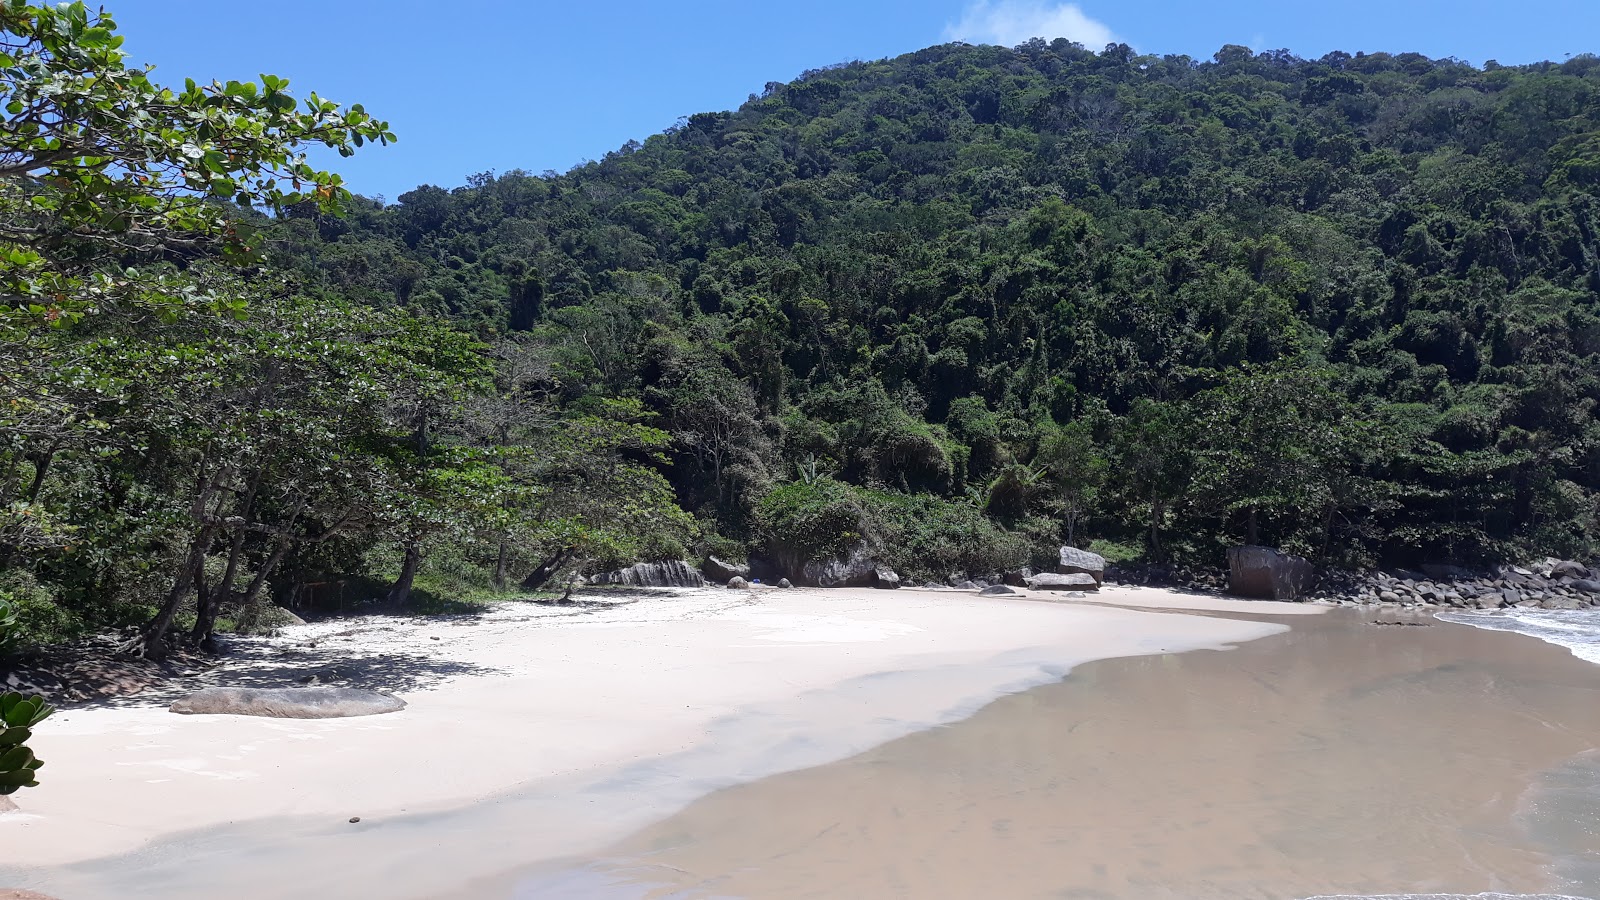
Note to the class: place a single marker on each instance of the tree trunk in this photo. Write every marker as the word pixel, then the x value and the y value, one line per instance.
pixel 401 592
pixel 537 578
pixel 251 601
pixel 1251 529
pixel 210 601
pixel 500 562
pixel 151 642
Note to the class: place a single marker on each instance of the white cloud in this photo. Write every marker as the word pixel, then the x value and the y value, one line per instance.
pixel 1012 22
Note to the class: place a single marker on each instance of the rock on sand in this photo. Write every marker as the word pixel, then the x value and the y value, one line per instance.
pixel 288 703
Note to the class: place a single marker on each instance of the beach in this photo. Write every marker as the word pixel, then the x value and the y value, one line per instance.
pixel 1343 758
pixel 533 733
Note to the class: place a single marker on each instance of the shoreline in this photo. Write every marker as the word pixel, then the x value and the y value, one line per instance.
pixel 532 706
pixel 1337 760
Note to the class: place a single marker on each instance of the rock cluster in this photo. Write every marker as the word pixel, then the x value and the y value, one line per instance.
pixel 1554 584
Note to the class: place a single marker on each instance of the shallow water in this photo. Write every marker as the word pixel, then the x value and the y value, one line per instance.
pixel 1343 759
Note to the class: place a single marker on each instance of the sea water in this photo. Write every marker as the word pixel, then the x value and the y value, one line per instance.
pixel 1562 808
pixel 1578 630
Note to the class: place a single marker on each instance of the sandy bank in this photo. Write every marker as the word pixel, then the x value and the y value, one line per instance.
pixel 1340 759
pixel 532 709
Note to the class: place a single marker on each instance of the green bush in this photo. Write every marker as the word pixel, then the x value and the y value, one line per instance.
pixel 921 535
pixel 18 715
pixel 35 616
pixel 801 521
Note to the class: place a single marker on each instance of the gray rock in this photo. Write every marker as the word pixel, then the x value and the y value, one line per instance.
pixel 785 583
pixel 737 583
pixel 855 570
pixel 885 578
pixel 1510 597
pixel 1587 586
pixel 1018 577
pixel 1559 603
pixel 1569 569
pixel 717 570
pixel 1082 562
pixel 998 590
pixel 1389 596
pixel 320 702
pixel 676 573
pixel 1268 573
pixel 1051 581
pixel 966 586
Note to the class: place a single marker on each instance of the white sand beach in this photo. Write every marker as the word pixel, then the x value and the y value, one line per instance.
pixel 563 726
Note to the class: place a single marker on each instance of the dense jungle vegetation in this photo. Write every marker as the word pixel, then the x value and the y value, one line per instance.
pixel 957 306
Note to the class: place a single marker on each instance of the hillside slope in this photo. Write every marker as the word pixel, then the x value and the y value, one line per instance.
pixel 1347 305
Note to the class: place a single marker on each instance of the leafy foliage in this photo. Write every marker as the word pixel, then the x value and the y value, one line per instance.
pixel 1345 304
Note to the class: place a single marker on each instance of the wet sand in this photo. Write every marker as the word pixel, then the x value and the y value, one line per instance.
pixel 1339 758
pixel 543 732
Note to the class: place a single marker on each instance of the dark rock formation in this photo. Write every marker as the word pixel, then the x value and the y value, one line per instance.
pixel 676 573
pixel 885 577
pixel 1082 562
pixel 1268 573
pixel 288 703
pixel 856 570
pixel 722 572
pixel 1051 581
pixel 1569 569
pixel 785 583
pixel 1018 577
pixel 998 590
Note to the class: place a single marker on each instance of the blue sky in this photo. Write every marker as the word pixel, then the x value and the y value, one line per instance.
pixel 475 85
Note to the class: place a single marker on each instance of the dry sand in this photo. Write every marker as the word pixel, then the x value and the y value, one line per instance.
pixel 531 732
pixel 1341 758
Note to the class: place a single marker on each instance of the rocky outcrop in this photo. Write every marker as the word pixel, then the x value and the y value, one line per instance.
pixel 1074 581
pixel 676 573
pixel 1081 562
pixel 288 703
pixel 998 590
pixel 856 570
pixel 722 572
pixel 1269 574
pixel 885 578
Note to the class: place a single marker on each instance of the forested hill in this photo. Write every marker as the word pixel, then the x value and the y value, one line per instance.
pixel 1350 303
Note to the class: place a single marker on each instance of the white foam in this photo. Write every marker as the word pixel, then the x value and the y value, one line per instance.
pixel 1578 630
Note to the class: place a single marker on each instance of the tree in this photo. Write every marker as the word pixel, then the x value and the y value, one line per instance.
pixel 1077 468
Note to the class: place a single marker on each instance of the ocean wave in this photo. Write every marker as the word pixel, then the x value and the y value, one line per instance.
pixel 1578 630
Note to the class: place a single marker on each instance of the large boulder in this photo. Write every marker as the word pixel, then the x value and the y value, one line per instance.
pixel 737 583
pixel 1569 569
pixel 723 572
pixel 1082 562
pixel 855 570
pixel 1267 573
pixel 1017 577
pixel 885 577
pixel 322 702
pixel 675 573
pixel 1073 581
pixel 997 590
pixel 1587 585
